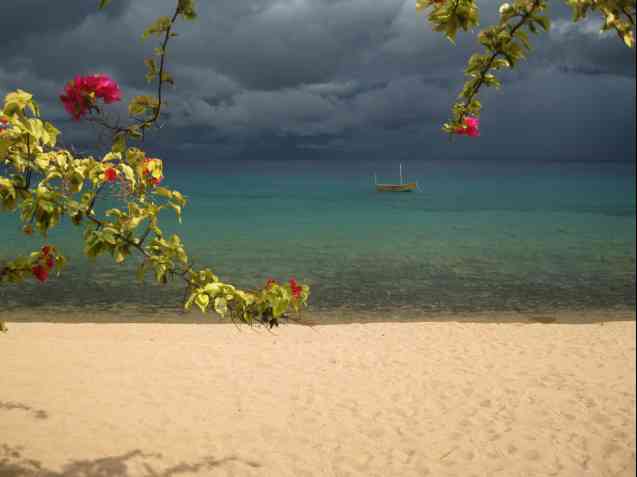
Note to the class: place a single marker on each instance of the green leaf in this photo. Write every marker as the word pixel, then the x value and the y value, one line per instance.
pixel 159 26
pixel 543 21
pixel 140 105
pixel 212 289
pixel 221 306
pixel 118 255
pixel 52 133
pixel 202 301
pixel 190 300
pixel 186 8
pixel 104 3
pixel 167 78
pixel 119 142
pixel 163 192
pixel 129 174
pixel 151 67
pixel 17 101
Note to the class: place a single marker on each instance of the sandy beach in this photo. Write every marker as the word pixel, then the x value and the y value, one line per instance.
pixel 375 399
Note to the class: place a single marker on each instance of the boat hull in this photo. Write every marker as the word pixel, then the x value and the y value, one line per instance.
pixel 408 187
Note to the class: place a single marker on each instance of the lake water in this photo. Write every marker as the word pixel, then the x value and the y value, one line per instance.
pixel 479 236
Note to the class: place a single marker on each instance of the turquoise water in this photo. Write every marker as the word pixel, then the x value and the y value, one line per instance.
pixel 479 236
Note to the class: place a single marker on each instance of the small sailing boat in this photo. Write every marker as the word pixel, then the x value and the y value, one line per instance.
pixel 402 187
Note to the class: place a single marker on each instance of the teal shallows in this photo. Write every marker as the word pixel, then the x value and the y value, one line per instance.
pixel 480 236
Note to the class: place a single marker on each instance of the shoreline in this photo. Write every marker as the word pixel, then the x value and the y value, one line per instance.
pixel 362 400
pixel 322 317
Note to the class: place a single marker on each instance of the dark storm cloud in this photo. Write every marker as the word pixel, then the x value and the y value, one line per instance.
pixel 23 18
pixel 327 78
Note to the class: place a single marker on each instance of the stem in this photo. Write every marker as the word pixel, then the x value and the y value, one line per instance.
pixel 495 54
pixel 27 173
pixel 162 64
pixel 146 123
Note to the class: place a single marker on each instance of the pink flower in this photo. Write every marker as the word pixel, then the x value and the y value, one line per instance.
pixel 40 272
pixel 470 128
pixel 76 101
pixel 110 174
pixel 81 92
pixel 295 288
pixel 104 88
pixel 270 282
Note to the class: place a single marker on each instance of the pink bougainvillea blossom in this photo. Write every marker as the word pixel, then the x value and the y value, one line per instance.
pixel 40 272
pixel 81 93
pixel 104 87
pixel 295 288
pixel 110 174
pixel 45 264
pixel 471 127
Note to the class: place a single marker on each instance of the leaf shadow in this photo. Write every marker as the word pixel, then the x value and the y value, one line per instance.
pixel 13 463
pixel 35 413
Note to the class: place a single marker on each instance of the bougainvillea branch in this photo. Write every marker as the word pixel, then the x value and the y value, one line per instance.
pixel 508 42
pixel 70 186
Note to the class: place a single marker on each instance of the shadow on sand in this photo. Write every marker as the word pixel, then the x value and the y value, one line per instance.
pixel 135 463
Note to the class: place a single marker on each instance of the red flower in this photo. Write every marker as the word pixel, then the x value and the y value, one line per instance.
pixel 46 250
pixel 4 120
pixel 50 262
pixel 104 87
pixel 76 99
pixel 470 128
pixel 110 174
pixel 270 282
pixel 40 272
pixel 296 289
pixel 80 93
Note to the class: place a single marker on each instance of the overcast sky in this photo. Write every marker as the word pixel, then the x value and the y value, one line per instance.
pixel 327 79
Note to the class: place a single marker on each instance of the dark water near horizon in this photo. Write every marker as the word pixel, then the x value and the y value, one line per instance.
pixel 480 236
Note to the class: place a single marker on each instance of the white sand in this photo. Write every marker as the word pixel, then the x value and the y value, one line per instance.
pixel 402 399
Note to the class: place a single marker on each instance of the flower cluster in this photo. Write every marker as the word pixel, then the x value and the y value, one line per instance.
pixel 153 170
pixel 81 93
pixel 46 261
pixel 470 128
pixel 295 288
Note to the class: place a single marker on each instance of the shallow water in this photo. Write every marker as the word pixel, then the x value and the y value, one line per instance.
pixel 480 236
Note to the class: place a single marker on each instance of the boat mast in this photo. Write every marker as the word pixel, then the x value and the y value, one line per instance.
pixel 401 172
